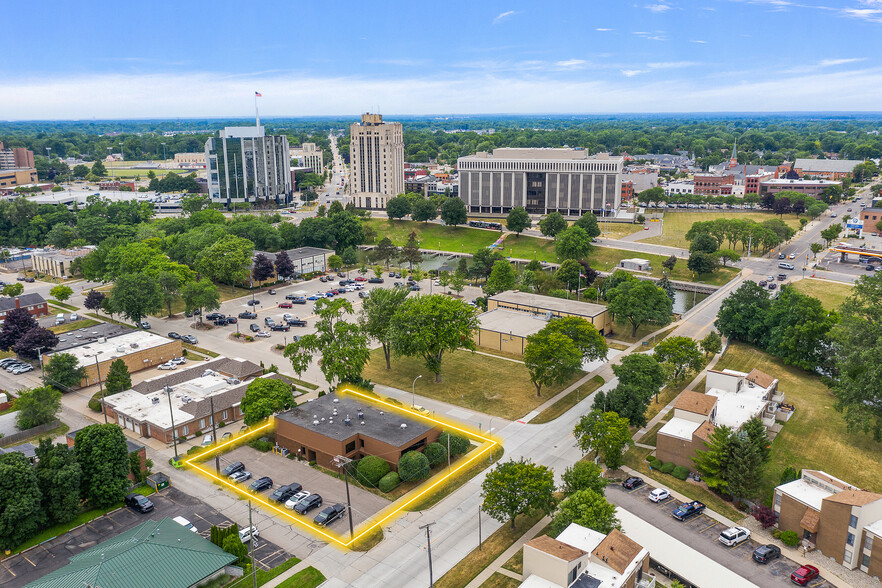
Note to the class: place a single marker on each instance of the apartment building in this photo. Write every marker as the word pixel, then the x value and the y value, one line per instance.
pixel 15 157
pixel 812 188
pixel 376 158
pixel 713 185
pixel 35 304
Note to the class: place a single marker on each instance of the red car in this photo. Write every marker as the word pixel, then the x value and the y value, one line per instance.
pixel 804 575
pixel 361 279
pixel 285 305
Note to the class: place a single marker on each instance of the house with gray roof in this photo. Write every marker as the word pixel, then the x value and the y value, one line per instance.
pixel 35 304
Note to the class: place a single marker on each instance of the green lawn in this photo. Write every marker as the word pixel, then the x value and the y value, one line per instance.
pixel 815 437
pixel 487 384
pixel 305 578
pixel 676 224
pixel 264 576
pixel 498 580
pixel 831 294
pixel 568 401
pixel 67 327
pixel 433 236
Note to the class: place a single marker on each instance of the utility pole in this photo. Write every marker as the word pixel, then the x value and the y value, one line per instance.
pixel 214 435
pixel 168 391
pixel 343 462
pixel 429 549
pixel 479 528
pixel 251 545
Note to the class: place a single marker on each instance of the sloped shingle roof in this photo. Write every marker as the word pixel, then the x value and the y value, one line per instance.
pixel 617 550
pixel 556 548
pixel 696 402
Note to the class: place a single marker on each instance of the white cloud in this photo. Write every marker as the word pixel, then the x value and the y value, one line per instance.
pixel 868 14
pixel 699 42
pixel 604 30
pixel 658 8
pixel 503 15
pixel 630 73
pixel 831 62
pixel 571 63
pixel 651 36
pixel 671 64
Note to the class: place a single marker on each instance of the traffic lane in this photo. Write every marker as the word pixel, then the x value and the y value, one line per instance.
pixel 701 533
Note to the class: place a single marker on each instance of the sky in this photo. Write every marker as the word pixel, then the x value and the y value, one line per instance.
pixel 106 60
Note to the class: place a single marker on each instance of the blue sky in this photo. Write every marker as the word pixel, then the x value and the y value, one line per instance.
pixel 198 58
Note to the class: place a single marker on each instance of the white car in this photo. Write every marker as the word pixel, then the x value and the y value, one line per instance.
pixel 659 494
pixel 246 534
pixel 292 502
pixel 263 334
pixel 74 316
pixel 207 440
pixel 178 360
pixel 168 366
pixel 186 524
pixel 734 536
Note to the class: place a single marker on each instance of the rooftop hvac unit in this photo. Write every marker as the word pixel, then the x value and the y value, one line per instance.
pixel 233 381
pixel 133 345
pixel 403 425
pixel 155 400
pixel 336 400
pixel 315 422
pixel 186 399
pixel 102 339
pixel 121 349
pixel 347 421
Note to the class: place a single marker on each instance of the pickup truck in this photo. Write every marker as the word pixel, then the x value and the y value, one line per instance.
pixel 296 322
pixel 687 510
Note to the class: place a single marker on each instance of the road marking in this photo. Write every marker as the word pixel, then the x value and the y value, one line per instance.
pixel 712 525
pixel 29 561
pixel 8 569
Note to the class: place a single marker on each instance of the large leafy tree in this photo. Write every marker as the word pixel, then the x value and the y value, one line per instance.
pixel 587 508
pixel 103 455
pixel 680 355
pixel 583 475
pixel 343 345
pixel 518 220
pixel 136 295
pixel 503 277
pixel 588 222
pixel 262 269
pixel 347 229
pixel 429 326
pixel 518 487
pixel 17 322
pixel 798 330
pixel 573 243
pixel 61 292
pixel 37 406
pixel 21 514
pixel 202 295
pixel 858 339
pixel 583 334
pixel 423 211
pixel 35 342
pixel 398 207
pixel 640 377
pixel 283 265
pixel 13 290
pixel 570 273
pixel 482 262
pixel 169 287
pixel 376 316
pixel 551 358
pixel 58 477
pixel 453 212
pixel 118 378
pixel 553 224
pixel 742 315
pixel 711 344
pixel 640 302
pixel 64 369
pixel 264 397
pixel 226 260
pixel 605 433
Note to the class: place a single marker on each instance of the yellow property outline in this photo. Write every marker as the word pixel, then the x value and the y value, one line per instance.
pixel 383 515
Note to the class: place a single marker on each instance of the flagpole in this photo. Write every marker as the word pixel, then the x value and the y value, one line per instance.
pixel 256 112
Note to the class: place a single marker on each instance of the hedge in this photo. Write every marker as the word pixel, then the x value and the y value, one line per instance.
pixel 790 538
pixel 667 468
pixel 680 472
pixel 413 466
pixel 389 482
pixel 371 469
pixel 656 464
pixel 436 453
pixel 458 444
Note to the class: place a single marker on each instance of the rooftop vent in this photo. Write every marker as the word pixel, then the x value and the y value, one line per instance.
pixel 315 422
pixel 102 339
pixel 155 400
pixel 133 345
pixel 336 400
pixel 362 422
pixel 347 421
pixel 403 425
pixel 121 349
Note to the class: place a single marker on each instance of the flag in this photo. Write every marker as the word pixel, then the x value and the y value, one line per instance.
pixel 258 95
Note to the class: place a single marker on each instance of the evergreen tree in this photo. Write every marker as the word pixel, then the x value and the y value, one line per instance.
pixel 744 469
pixel 714 463
pixel 118 378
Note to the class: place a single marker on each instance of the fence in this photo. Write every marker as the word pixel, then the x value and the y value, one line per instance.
pixel 15 437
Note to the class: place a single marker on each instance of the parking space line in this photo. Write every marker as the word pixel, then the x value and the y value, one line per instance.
pixel 29 561
pixel 8 569
pixel 711 526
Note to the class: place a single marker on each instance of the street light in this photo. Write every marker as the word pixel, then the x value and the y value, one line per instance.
pixel 413 391
pixel 168 391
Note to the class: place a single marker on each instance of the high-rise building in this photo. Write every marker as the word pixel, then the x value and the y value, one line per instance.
pixel 246 165
pixel 16 157
pixel 568 181
pixel 312 157
pixel 376 156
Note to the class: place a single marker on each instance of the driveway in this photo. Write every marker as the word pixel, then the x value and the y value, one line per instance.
pixel 701 533
pixel 21 569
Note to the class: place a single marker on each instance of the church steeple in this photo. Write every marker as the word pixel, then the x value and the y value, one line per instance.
pixel 733 161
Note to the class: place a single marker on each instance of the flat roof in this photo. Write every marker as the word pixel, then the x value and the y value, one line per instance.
pixel 786 182
pixel 679 428
pixel 810 494
pixel 543 303
pixel 827 165
pixel 736 408
pixel 383 425
pixel 299 253
pixel 89 335
pixel 119 346
pixel 548 153
pixel 875 528
pixel 513 322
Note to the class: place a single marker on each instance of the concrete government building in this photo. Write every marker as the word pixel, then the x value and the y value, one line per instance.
pixel 568 181
pixel 246 165
pixel 376 157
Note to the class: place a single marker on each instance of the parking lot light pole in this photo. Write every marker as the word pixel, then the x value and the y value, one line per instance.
pixel 343 462
pixel 413 391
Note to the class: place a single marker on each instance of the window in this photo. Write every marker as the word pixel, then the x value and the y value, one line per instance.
pixel 777 500
pixel 865 561
pixel 350 447
pixel 185 430
pixel 868 542
pixel 850 539
pixel 853 522
pixel 224 415
pixel 571 577
pixel 201 423
pixel 846 559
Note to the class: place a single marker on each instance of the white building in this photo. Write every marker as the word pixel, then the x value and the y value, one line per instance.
pixel 680 187
pixel 311 157
pixel 569 181
pixel 376 157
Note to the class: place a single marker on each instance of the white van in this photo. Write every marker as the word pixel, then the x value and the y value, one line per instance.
pixel 59 318
pixel 787 266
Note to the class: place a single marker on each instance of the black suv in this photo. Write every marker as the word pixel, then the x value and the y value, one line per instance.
pixel 138 502
pixel 264 483
pixel 248 315
pixel 236 466
pixel 632 483
pixel 255 328
pixel 213 316
pixel 221 322
pixel 375 281
pixel 307 504
pixel 330 514
pixel 279 327
pixel 283 493
pixel 766 553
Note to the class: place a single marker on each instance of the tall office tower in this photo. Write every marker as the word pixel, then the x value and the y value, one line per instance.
pixel 376 157
pixel 313 158
pixel 246 165
pixel 568 181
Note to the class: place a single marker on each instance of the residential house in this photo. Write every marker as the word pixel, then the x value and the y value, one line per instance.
pixel 35 304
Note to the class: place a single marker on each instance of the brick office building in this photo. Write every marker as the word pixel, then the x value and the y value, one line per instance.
pixel 708 185
pixel 870 218
pixel 35 304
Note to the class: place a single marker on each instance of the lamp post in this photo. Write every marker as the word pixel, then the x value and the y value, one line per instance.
pixel 171 412
pixel 40 354
pixel 163 152
pixel 342 462
pixel 413 391
pixel 101 387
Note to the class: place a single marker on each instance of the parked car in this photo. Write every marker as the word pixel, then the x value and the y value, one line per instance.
pixel 247 533
pixel 254 302
pixel 762 283
pixel 330 514
pixel 299 300
pixel 307 504
pixel 212 316
pixel 268 321
pixel 632 483
pixel 186 524
pixel 7 361
pixel 782 256
pixel 283 493
pixel 361 279
pixel 734 536
pixel 74 317
pixel 766 553
pixel 263 334
pixel 138 502
pixel 415 288
pixel 231 320
pixel 236 466
pixel 392 275
pixel 254 327
pixel 292 502
pixel 174 335
pixel 207 440
pixel 221 322
pixel 772 286
pixel 264 483
pixel 804 574
pixel 279 327
pixel 145 325
pixel 362 294
pixel 286 305
pixel 296 322
pixel 659 494
pixel 315 297
pixel 782 277
pixel 191 339
pixel 247 315
pixel 178 360
pixel 323 279
pixel 375 281
pixel 241 476
pixel 687 510
pixel 272 292
pixel 168 366
pixel 291 296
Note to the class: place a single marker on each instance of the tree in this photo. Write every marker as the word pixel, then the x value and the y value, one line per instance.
pixel 588 222
pixel 573 243
pixel 226 260
pixel 398 207
pixel 831 233
pixel 21 515
pixel 17 322
pixel 98 169
pixel 640 377
pixel 94 299
pixel 194 203
pixel 711 344
pixel 798 331
pixel 13 290
pixel 457 444
pixel 423 211
pixel 58 478
pixel 103 456
pixel 283 265
pixel 169 288
pixel 384 251
pixel 742 315
pixel 640 302
pixel 726 255
pixel 80 171
pixel 136 295
pixel 517 487
pixel 755 433
pixel 201 295
pixel 264 397
pixel 569 273
pixel 518 220
pixel 262 268
pixel 453 212
pixel 606 433
pixel 670 262
pixel 701 263
pixel 764 515
pixel 233 545
pixel 744 472
pixel 553 224
pixel 503 277
pixel 64 369
pixel 482 262
pixel 817 248
pixel 713 464
pixel 665 284
pixel 118 378
pixel 411 251
pixel 413 467
pixel 349 256
pixel 704 243
pixel 782 205
pixel 37 406
pixel 436 454
pixel 34 342
pixel 61 292
pixel 377 311
pixel 583 475
pixel 680 355
pixel 551 358
pixel 588 509
pixel 343 345
pixel 335 262
pixel 429 326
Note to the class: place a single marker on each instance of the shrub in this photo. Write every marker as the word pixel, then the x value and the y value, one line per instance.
pixel 788 475
pixel 776 533
pixel 656 464
pixel 312 463
pixel 261 445
pixel 680 472
pixel 371 469
pixel 667 468
pixel 589 294
pixel 436 453
pixel 790 538
pixel 95 404
pixel 458 444
pixel 764 515
pixel 650 458
pixel 413 467
pixel 389 482
pixel 222 424
pixel 197 434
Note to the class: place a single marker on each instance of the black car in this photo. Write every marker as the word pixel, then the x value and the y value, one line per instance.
pixel 330 514
pixel 307 504
pixel 632 483
pixel 264 483
pixel 766 553
pixel 279 327
pixel 236 466
pixel 255 328
pixel 296 322
pixel 213 316
pixel 138 502
pixel 391 274
pixel 299 300
pixel 174 335
pixel 291 296
pixel 248 315
pixel 283 493
pixel 375 281
pixel 415 288
pixel 254 302
pixel 323 279
pixel 221 322
pixel 232 320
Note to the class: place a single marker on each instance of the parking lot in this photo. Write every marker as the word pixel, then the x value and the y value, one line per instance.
pixel 286 471
pixel 702 532
pixel 21 569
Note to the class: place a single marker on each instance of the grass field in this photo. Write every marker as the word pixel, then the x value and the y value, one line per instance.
pixel 264 576
pixel 67 327
pixel 831 294
pixel 434 236
pixel 676 224
pixel 494 386
pixel 305 578
pixel 498 580
pixel 568 401
pixel 815 437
